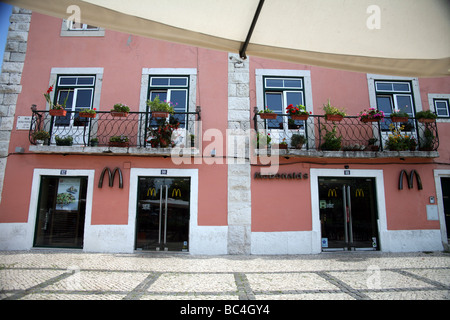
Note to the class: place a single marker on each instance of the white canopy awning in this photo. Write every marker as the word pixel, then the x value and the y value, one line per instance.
pixel 395 37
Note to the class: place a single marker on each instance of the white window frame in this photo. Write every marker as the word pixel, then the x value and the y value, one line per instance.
pixel 191 99
pixel 262 74
pixel 66 31
pixel 442 96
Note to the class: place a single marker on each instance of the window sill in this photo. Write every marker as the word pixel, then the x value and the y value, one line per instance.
pixel 132 151
pixel 295 153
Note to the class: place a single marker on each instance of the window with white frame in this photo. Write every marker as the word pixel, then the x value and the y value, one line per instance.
pixel 394 96
pixel 441 107
pixel 276 89
pixel 279 93
pixel 75 29
pixel 77 92
pixel 174 89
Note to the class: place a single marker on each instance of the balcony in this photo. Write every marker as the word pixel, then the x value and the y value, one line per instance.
pixel 348 138
pixel 137 133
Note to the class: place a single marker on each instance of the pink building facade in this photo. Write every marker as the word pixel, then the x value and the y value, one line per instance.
pixel 216 188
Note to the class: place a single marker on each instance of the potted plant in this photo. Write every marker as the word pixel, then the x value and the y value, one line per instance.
pixel 94 142
pixel 88 113
pixel 427 142
pixel 66 141
pixel 56 110
pixel 162 135
pixel 262 140
pixel 119 141
pixel 267 114
pixel 371 115
pixel 426 116
pixel 297 141
pixel 372 146
pixel 298 112
pixel 40 137
pixel 160 109
pixel 399 116
pixel 331 141
pixel 333 113
pixel 120 110
pixel 400 142
pixel 282 144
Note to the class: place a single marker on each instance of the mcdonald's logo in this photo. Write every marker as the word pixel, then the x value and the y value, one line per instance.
pixel 176 193
pixel 111 176
pixel 410 179
pixel 359 193
pixel 150 192
pixel 332 193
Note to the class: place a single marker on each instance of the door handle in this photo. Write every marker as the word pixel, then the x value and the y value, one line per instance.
pixel 350 220
pixel 165 215
pixel 345 211
pixel 160 212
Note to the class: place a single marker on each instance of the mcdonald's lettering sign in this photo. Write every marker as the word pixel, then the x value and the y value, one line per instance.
pixel 176 193
pixel 359 193
pixel 332 193
pixel 284 176
pixel 410 179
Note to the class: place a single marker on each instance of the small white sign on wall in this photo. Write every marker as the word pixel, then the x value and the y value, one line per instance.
pixel 23 123
pixel 432 212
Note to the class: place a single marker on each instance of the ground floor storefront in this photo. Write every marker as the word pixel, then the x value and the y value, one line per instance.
pixel 301 209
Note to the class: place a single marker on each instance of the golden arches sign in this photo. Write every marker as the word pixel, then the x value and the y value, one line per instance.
pixel 332 193
pixel 176 192
pixel 150 192
pixel 359 193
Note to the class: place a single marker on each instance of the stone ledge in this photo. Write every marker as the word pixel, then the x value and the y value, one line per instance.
pixel 135 151
pixel 347 154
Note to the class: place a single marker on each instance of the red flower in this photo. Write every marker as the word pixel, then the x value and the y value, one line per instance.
pixel 50 89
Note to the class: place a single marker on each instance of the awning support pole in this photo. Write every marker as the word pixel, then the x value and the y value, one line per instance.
pixel 249 35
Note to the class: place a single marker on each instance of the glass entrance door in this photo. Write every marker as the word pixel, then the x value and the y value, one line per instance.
pixel 163 206
pixel 61 212
pixel 348 214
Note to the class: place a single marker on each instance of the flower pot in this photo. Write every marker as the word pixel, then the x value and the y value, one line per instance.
pixel 39 142
pixel 119 114
pixel 87 115
pixel 159 114
pixel 373 148
pixel 268 115
pixel 333 117
pixel 299 116
pixel 369 120
pixel 399 119
pixel 425 120
pixel 282 146
pixel 118 144
pixel 57 112
pixel 64 143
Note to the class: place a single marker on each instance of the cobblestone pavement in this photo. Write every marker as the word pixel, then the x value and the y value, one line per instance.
pixel 73 275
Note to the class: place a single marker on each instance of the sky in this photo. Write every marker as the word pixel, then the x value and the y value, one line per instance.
pixel 5 12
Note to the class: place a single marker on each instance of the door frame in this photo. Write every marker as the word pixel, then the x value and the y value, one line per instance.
pixel 34 199
pixel 348 173
pixel 135 173
pixel 438 174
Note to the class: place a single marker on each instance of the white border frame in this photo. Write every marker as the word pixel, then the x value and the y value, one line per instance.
pixel 354 173
pixel 432 96
pixel 30 226
pixel 202 239
pixel 438 174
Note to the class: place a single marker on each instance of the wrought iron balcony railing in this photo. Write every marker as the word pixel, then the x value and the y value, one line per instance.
pixel 137 129
pixel 350 134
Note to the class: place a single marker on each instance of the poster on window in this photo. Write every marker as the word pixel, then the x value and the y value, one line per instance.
pixel 68 194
